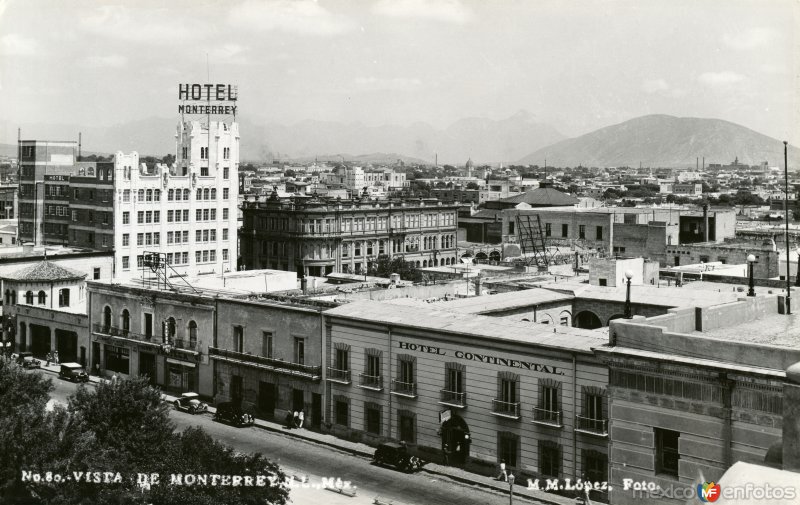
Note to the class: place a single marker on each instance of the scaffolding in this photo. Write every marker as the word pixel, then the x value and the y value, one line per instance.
pixel 157 272
pixel 532 242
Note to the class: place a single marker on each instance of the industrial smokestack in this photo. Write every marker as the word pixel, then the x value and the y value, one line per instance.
pixel 79 145
pixel 704 162
pixel 705 222
pixel 697 163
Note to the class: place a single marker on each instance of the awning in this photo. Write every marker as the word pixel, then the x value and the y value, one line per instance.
pixel 181 363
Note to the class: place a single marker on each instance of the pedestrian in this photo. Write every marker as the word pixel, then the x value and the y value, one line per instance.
pixel 289 419
pixel 301 418
pixel 295 418
pixel 49 355
pixel 97 369
pixel 56 358
pixel 114 378
pixel 503 475
pixel 446 450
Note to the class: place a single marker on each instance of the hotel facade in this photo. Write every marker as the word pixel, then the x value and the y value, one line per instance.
pixel 481 390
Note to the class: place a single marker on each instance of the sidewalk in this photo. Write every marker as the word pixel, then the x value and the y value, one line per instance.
pixel 366 451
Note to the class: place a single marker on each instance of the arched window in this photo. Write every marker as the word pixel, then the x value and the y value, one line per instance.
pixel 206 193
pixel 13 297
pixel 213 193
pixel 8 297
pixel 63 297
pixel 141 195
pixel 126 322
pixel 106 319
pixel 171 195
pixel 29 297
pixel 42 298
pixel 149 195
pixel 192 334
pixel 170 327
pixel 199 194
pixel 186 194
pixel 156 195
pixel 178 194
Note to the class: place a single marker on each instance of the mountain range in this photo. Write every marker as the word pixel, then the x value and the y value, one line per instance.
pixel 665 141
pixel 653 140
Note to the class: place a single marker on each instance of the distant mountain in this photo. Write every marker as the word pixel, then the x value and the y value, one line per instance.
pixel 483 140
pixel 665 141
pixel 374 158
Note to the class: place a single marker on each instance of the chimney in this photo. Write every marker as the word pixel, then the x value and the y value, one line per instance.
pixel 704 163
pixel 791 419
pixel 705 222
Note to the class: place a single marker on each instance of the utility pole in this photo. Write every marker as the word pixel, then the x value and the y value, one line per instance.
pixel 786 218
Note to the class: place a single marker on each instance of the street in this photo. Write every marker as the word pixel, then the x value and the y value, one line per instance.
pixel 301 458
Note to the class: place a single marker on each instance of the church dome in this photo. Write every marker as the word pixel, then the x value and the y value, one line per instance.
pixel 470 164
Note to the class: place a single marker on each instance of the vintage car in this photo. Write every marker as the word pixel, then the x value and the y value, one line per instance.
pixel 73 372
pixel 232 413
pixel 396 455
pixel 190 402
pixel 26 360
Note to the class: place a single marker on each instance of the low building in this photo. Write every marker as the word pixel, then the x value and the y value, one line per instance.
pixel 478 389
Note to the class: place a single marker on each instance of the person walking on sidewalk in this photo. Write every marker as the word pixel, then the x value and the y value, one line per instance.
pixel 503 475
pixel 55 358
pixel 289 420
pixel 301 418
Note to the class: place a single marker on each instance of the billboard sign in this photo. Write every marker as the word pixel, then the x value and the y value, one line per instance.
pixel 207 98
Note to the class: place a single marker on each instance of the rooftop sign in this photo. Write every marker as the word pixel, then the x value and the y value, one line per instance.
pixel 208 98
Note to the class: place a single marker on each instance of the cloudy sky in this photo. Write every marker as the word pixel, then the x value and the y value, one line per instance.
pixel 577 65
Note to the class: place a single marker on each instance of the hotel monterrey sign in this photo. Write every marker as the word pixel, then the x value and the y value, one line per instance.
pixel 483 358
pixel 208 98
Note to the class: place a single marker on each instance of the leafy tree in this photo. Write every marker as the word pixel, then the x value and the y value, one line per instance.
pixel 472 185
pixel 384 266
pixel 289 173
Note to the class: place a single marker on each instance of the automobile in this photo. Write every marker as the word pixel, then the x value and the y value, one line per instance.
pixel 232 413
pixel 397 455
pixel 190 402
pixel 27 360
pixel 73 372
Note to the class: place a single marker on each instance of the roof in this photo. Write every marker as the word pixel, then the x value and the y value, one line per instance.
pixel 782 330
pixel 542 196
pixel 433 319
pixel 503 301
pixel 651 295
pixel 45 271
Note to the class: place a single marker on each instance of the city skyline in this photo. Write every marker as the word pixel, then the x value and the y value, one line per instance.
pixel 575 67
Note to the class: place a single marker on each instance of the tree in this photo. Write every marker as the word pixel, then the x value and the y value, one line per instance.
pixel 169 159
pixel 472 185
pixel 119 428
pixel 289 173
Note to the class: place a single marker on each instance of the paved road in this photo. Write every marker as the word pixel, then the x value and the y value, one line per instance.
pixel 304 458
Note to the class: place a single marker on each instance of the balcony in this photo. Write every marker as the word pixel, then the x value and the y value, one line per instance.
pixel 118 333
pixel 547 417
pixel 453 399
pixel 339 375
pixel 371 382
pixel 591 426
pixel 271 364
pixel 505 409
pixel 406 389
pixel 190 345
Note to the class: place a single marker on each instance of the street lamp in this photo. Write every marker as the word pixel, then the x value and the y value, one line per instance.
pixel 511 488
pixel 750 261
pixel 628 310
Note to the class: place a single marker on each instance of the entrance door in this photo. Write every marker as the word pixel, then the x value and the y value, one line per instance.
pixel 456 439
pixel 147 367
pixel 316 410
pixel 83 356
pixel 266 399
pixel 148 325
pixel 298 400
pixel 95 356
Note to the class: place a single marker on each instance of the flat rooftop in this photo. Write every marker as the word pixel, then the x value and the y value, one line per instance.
pixel 774 329
pixel 428 317
pixel 702 295
pixel 502 301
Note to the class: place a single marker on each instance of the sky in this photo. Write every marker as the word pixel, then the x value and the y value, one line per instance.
pixel 577 65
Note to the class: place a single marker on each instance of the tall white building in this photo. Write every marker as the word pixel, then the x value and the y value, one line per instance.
pixel 187 211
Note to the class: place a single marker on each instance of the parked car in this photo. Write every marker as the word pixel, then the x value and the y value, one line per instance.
pixel 190 402
pixel 26 360
pixel 232 413
pixel 73 372
pixel 396 455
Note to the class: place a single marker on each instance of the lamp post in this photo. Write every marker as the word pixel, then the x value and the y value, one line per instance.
pixel 750 261
pixel 511 488
pixel 797 274
pixel 628 310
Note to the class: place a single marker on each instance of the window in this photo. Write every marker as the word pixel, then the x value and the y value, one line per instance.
pixel 149 195
pixel 140 196
pixel 126 262
pixel 204 171
pixel 157 195
pixel 213 193
pixel 266 344
pixel 454 377
pixel 126 195
pixel 508 449
pixel 547 230
pixel 125 322
pixel 342 417
pixel 238 338
pixel 140 239
pixel 225 193
pixel 41 298
pixel 96 273
pixel 186 197
pixel 599 233
pixel 29 297
pixel 140 217
pixel 126 238
pixel 565 230
pixel 185 215
pixel 225 234
pixel 405 369
pixel 225 255
pixel 300 350
pixel 667 455
pixel 203 153
pixel 156 216
pixel 582 231
pixel 117 359
pixel 407 421
pixel 198 215
pixel 126 217
pixel 192 334
pixel 199 195
pixel 372 414
pixel 178 194
pixel 184 153
pixel 595 465
pixel 224 213
pixel 171 193
pixel 549 458
pixel 225 173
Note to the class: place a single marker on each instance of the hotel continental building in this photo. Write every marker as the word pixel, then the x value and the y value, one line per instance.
pixel 318 237
pixel 484 389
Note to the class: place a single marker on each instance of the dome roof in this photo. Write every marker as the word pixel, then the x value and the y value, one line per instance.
pixel 44 271
pixel 470 164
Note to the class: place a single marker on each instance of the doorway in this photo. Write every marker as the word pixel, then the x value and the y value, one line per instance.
pixel 456 439
pixel 147 367
pixel 316 410
pixel 298 400
pixel 266 399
